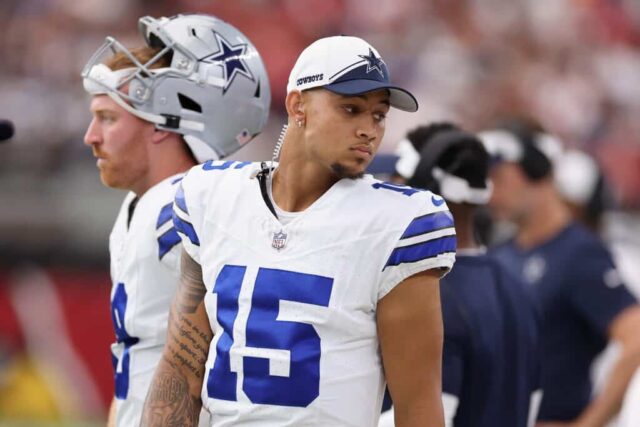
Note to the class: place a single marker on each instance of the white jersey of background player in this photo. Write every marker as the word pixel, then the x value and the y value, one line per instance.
pixel 198 90
pixel 297 301
pixel 145 270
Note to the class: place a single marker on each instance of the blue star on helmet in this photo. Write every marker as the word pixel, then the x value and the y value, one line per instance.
pixel 229 57
pixel 373 63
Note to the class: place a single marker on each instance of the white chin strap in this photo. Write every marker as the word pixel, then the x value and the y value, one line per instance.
pixel 101 80
pixel 458 190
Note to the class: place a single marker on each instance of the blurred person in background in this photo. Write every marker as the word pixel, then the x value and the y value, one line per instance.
pixel 570 274
pixel 197 90
pixel 328 285
pixel 583 186
pixel 491 363
pixel 400 167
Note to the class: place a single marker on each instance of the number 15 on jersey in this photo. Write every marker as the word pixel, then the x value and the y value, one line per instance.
pixel 268 343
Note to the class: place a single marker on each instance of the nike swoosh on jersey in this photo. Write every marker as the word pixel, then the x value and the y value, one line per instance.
pixel 436 202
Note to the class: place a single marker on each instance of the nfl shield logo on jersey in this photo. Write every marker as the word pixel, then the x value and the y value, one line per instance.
pixel 279 240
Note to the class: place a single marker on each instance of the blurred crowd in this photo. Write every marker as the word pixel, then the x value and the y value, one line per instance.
pixel 574 65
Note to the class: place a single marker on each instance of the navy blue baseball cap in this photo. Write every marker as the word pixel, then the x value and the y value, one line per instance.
pixel 347 66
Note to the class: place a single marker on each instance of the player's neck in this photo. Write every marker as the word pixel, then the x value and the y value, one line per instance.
pixel 463 220
pixel 549 216
pixel 298 182
pixel 162 167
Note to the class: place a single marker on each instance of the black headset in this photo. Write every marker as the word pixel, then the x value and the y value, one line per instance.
pixel 432 153
pixel 535 164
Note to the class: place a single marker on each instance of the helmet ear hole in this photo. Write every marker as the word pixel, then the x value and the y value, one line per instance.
pixel 189 104
pixel 155 42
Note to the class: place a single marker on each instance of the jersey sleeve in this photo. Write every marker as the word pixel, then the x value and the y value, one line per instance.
pixel 597 291
pixel 167 236
pixel 188 213
pixel 428 242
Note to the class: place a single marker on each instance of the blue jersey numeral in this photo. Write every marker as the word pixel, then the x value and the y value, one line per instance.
pixel 211 165
pixel 121 367
pixel 301 384
pixel 222 382
pixel 404 189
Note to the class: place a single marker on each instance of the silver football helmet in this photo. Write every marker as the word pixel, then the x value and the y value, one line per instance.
pixel 215 93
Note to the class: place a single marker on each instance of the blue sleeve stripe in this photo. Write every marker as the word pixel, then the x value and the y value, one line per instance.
pixel 180 200
pixel 185 228
pixel 167 241
pixel 421 251
pixel 427 223
pixel 165 215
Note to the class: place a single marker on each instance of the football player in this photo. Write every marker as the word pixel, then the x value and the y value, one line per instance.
pixel 571 276
pixel 491 349
pixel 196 90
pixel 306 286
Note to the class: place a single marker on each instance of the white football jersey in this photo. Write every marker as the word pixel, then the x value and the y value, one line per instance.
pixel 145 256
pixel 293 307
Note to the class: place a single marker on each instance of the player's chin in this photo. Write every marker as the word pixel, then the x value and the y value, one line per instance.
pixel 349 170
pixel 109 179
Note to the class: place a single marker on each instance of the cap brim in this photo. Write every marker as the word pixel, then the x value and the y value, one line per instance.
pixel 398 97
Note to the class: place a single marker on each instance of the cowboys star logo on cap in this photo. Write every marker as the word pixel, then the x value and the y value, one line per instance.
pixel 373 63
pixel 229 57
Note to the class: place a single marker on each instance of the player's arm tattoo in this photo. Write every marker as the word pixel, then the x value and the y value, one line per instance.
pixel 174 396
pixel 193 289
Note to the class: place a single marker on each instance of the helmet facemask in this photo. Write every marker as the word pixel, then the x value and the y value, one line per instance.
pixel 217 112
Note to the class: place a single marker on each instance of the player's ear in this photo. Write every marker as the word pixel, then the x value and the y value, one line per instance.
pixel 159 135
pixel 295 107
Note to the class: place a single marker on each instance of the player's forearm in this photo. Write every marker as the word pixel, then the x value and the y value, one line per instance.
pixel 174 396
pixel 608 402
pixel 416 413
pixel 172 399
